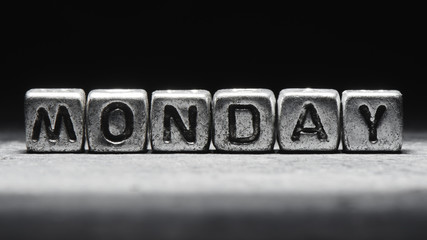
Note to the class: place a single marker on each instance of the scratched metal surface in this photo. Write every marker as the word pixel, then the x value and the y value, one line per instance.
pixel 213 196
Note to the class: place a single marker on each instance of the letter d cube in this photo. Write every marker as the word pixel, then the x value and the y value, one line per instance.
pixel 243 120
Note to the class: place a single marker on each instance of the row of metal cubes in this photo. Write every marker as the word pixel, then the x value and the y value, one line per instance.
pixel 235 120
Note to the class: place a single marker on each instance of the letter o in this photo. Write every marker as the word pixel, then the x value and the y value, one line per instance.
pixel 105 123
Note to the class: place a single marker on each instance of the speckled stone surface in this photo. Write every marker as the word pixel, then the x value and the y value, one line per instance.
pixel 213 195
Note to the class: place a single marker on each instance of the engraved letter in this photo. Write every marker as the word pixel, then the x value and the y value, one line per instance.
pixel 372 123
pixel 172 113
pixel 232 123
pixel 53 134
pixel 318 129
pixel 105 122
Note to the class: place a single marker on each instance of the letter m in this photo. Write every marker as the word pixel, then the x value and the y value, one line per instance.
pixel 62 116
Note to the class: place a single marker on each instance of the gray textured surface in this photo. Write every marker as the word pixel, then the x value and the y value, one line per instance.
pixel 213 196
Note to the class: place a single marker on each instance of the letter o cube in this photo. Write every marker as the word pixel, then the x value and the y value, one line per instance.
pixel 117 120
pixel 243 120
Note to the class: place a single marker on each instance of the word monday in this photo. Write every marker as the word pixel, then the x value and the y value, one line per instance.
pixel 235 120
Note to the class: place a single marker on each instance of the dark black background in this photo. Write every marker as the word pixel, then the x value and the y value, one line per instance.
pixel 212 45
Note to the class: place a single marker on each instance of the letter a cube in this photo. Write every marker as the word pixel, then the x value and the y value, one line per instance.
pixel 308 119
pixel 180 120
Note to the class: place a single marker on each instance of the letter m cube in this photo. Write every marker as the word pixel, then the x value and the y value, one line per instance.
pixel 54 120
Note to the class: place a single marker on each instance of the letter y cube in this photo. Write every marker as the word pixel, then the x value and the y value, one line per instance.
pixel 372 120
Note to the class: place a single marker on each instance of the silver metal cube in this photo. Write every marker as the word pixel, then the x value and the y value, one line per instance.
pixel 243 120
pixel 117 120
pixel 54 120
pixel 180 120
pixel 372 120
pixel 308 119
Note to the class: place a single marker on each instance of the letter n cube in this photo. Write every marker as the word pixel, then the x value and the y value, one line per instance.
pixel 180 120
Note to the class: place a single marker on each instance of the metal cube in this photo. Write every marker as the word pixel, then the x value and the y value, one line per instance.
pixel 372 120
pixel 243 120
pixel 180 120
pixel 117 120
pixel 308 119
pixel 54 120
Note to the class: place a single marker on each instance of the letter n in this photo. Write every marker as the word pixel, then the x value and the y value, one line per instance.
pixel 189 133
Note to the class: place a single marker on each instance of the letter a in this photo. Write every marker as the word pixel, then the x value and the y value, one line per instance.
pixel 318 129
